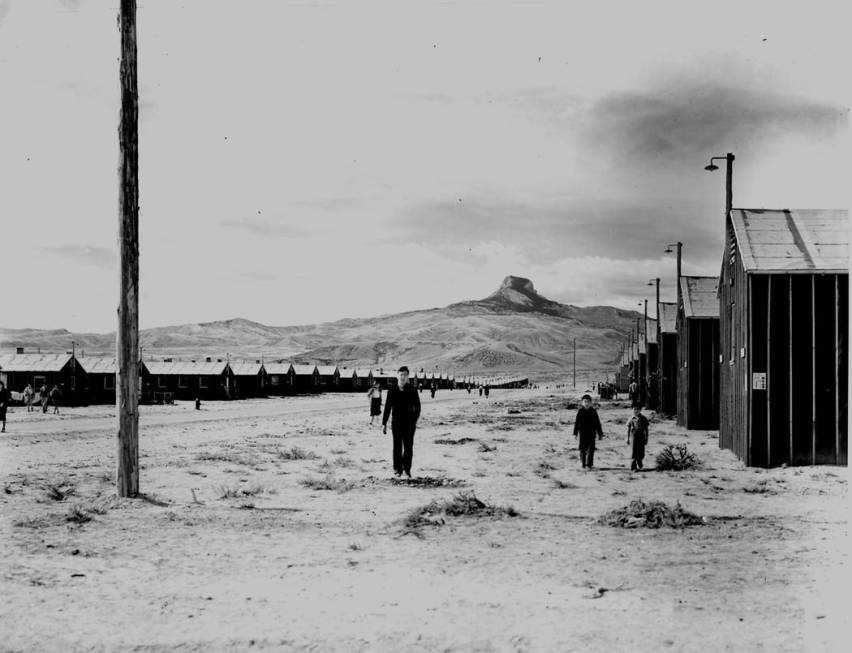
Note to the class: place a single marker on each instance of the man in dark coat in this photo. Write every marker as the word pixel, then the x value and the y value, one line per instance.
pixel 402 406
pixel 4 403
pixel 587 425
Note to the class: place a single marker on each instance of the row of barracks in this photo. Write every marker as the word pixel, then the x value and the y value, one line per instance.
pixel 90 379
pixel 759 352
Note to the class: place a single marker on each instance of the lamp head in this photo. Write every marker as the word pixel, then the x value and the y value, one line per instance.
pixel 711 167
pixel 668 250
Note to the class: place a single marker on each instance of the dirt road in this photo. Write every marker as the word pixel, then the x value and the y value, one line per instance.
pixel 276 525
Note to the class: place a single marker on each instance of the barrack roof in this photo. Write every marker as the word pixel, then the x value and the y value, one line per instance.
pixel 792 240
pixel 699 296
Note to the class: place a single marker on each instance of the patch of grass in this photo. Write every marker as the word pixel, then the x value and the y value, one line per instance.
pixel 564 485
pixel 676 458
pixel 78 515
pixel 343 461
pixel 484 447
pixel 228 492
pixel 227 457
pixel 328 482
pixel 544 468
pixel 761 487
pixel 31 522
pixel 652 514
pixel 429 481
pixel 451 441
pixel 296 453
pixel 59 492
pixel 463 504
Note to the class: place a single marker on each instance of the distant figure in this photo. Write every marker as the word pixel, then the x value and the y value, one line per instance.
pixel 638 428
pixel 29 397
pixel 587 425
pixel 42 395
pixel 468 388
pixel 402 406
pixel 54 396
pixel 432 389
pixel 4 403
pixel 197 403
pixel 633 392
pixel 487 390
pixel 480 389
pixel 374 394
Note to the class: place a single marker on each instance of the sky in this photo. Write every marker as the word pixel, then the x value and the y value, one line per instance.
pixel 303 162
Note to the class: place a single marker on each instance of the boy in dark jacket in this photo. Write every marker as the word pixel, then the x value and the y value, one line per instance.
pixel 403 401
pixel 638 428
pixel 587 425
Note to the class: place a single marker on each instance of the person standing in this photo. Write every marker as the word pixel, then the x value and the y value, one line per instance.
pixel 638 427
pixel 633 391
pixel 42 395
pixel 402 407
pixel 432 390
pixel 29 397
pixel 55 396
pixel 587 425
pixel 480 389
pixel 487 390
pixel 4 403
pixel 374 394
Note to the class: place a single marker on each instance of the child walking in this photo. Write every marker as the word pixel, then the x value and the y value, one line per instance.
pixel 637 426
pixel 374 394
pixel 587 425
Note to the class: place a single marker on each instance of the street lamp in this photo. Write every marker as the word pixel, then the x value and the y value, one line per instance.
pixel 729 163
pixel 669 250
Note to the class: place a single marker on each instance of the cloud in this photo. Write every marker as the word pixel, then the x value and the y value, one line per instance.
pixel 547 232
pixel 689 118
pixel 101 257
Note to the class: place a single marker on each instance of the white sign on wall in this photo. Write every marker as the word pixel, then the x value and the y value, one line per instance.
pixel 758 381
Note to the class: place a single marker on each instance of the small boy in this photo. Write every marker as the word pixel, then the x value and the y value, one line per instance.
pixel 637 426
pixel 587 425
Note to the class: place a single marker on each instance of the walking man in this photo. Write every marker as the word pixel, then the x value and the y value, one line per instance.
pixel 42 394
pixel 402 406
pixel 637 427
pixel 55 394
pixel 587 425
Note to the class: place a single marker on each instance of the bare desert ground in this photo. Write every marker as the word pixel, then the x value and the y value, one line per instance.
pixel 276 525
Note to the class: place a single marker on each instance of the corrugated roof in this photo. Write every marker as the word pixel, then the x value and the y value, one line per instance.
pixel 246 369
pixel 326 370
pixel 652 332
pixel 699 296
pixel 346 373
pixel 792 240
pixel 189 368
pixel 98 364
pixel 304 370
pixel 33 362
pixel 278 369
pixel 668 317
pixel 362 373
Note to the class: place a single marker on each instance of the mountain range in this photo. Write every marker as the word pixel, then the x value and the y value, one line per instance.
pixel 515 329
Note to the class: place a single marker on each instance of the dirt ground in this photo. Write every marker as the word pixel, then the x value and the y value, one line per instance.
pixel 276 525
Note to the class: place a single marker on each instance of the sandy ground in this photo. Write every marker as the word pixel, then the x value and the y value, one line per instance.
pixel 283 566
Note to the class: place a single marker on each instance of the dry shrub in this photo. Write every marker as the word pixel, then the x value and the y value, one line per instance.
pixel 653 514
pixel 328 482
pixel 78 515
pixel 676 458
pixel 59 492
pixel 484 447
pixel 463 504
pixel 451 441
pixel 227 492
pixel 564 485
pixel 228 457
pixel 429 481
pixel 296 453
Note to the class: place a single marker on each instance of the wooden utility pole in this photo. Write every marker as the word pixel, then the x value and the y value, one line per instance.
pixel 574 366
pixel 127 337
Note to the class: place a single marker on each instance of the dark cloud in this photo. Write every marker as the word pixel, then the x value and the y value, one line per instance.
pixel 546 233
pixel 102 257
pixel 269 228
pixel 687 119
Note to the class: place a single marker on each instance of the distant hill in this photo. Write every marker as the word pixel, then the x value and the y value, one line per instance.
pixel 513 329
